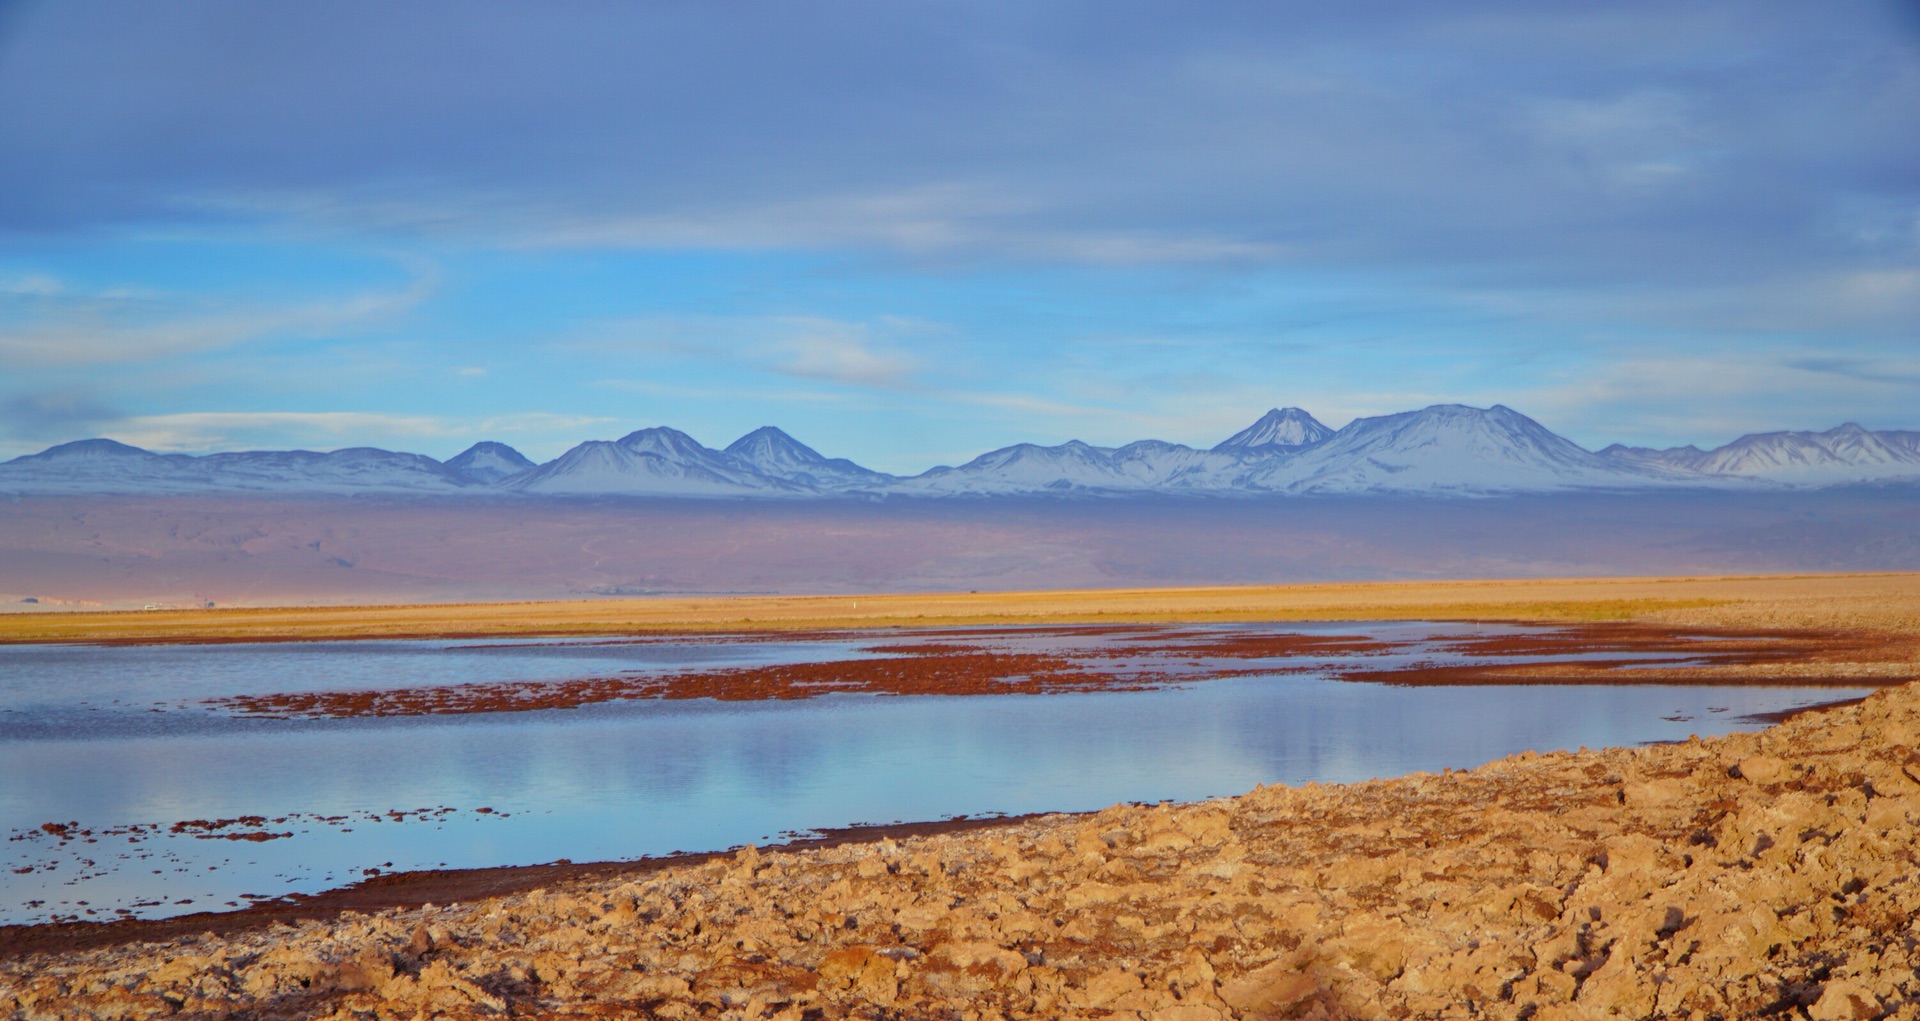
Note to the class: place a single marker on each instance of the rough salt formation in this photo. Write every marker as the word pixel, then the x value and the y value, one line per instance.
pixel 1768 874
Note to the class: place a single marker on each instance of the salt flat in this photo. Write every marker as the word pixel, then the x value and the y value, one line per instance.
pixel 1732 877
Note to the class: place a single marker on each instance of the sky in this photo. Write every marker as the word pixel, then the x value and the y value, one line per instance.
pixel 911 232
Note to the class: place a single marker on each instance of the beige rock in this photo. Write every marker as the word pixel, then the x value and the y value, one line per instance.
pixel 1268 989
pixel 1104 988
pixel 1896 773
pixel 986 957
pixel 861 970
pixel 1374 946
pixel 1657 793
pixel 1085 895
pixel 1192 978
pixel 1184 1012
pixel 1762 769
pixel 1618 989
pixel 1884 814
pixel 1207 826
pixel 922 915
pixel 1162 842
pixel 1844 1001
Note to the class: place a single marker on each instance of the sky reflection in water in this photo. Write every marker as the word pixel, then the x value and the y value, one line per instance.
pixel 112 736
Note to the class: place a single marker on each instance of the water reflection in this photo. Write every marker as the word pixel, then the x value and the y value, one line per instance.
pixel 81 741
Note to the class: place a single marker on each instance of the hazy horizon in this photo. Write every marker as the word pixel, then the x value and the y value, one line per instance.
pixel 722 443
pixel 126 551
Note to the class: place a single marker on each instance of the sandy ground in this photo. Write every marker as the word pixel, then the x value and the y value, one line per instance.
pixel 1770 874
pixel 1775 601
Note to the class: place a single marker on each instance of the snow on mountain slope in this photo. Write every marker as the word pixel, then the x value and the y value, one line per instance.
pixel 1024 468
pixel 489 462
pixel 1445 449
pixel 1841 455
pixel 1154 464
pixel 1076 467
pixel 1282 427
pixel 657 462
pixel 772 452
pixel 1451 448
pixel 1900 439
pixel 96 466
pixel 96 451
pixel 1442 449
pixel 1847 453
pixel 1685 459
pixel 105 466
pixel 354 468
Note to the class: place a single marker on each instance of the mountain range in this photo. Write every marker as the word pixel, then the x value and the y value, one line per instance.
pixel 1447 449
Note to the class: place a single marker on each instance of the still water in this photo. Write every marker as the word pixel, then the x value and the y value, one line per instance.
pixel 122 743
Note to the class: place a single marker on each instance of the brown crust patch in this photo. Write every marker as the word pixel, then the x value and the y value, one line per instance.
pixel 1623 653
pixel 968 662
pixel 968 673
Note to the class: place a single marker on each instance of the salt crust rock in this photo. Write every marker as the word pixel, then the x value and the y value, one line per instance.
pixel 1763 874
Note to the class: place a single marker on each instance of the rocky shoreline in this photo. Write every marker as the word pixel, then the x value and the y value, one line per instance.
pixel 1765 874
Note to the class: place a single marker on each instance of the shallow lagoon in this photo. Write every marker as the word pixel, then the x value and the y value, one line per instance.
pixel 110 738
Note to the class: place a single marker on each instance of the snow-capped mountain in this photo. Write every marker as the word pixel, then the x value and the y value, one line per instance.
pixel 1451 448
pixel 489 462
pixel 1844 454
pixel 1282 427
pixel 1076 467
pixel 105 466
pixel 94 466
pixel 1170 466
pixel 662 461
pixel 1446 449
pixel 354 468
pixel 651 462
pixel 1024 468
pixel 772 452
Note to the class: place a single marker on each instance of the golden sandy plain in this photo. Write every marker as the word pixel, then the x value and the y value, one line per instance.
pixel 1845 601
pixel 1769 874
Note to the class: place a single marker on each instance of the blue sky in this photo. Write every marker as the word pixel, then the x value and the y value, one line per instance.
pixel 908 233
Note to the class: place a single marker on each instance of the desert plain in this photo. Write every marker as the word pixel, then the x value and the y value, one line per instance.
pixel 1765 874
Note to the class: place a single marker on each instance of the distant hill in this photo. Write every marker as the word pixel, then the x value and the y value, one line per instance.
pixel 1447 449
pixel 1837 456
pixel 488 462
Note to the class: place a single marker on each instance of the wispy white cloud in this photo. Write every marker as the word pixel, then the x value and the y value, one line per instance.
pixel 545 423
pixel 869 354
pixel 744 394
pixel 870 367
pixel 52 325
pixel 936 220
pixel 1856 308
pixel 37 285
pixel 1707 400
pixel 1641 141
pixel 837 352
pixel 197 431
